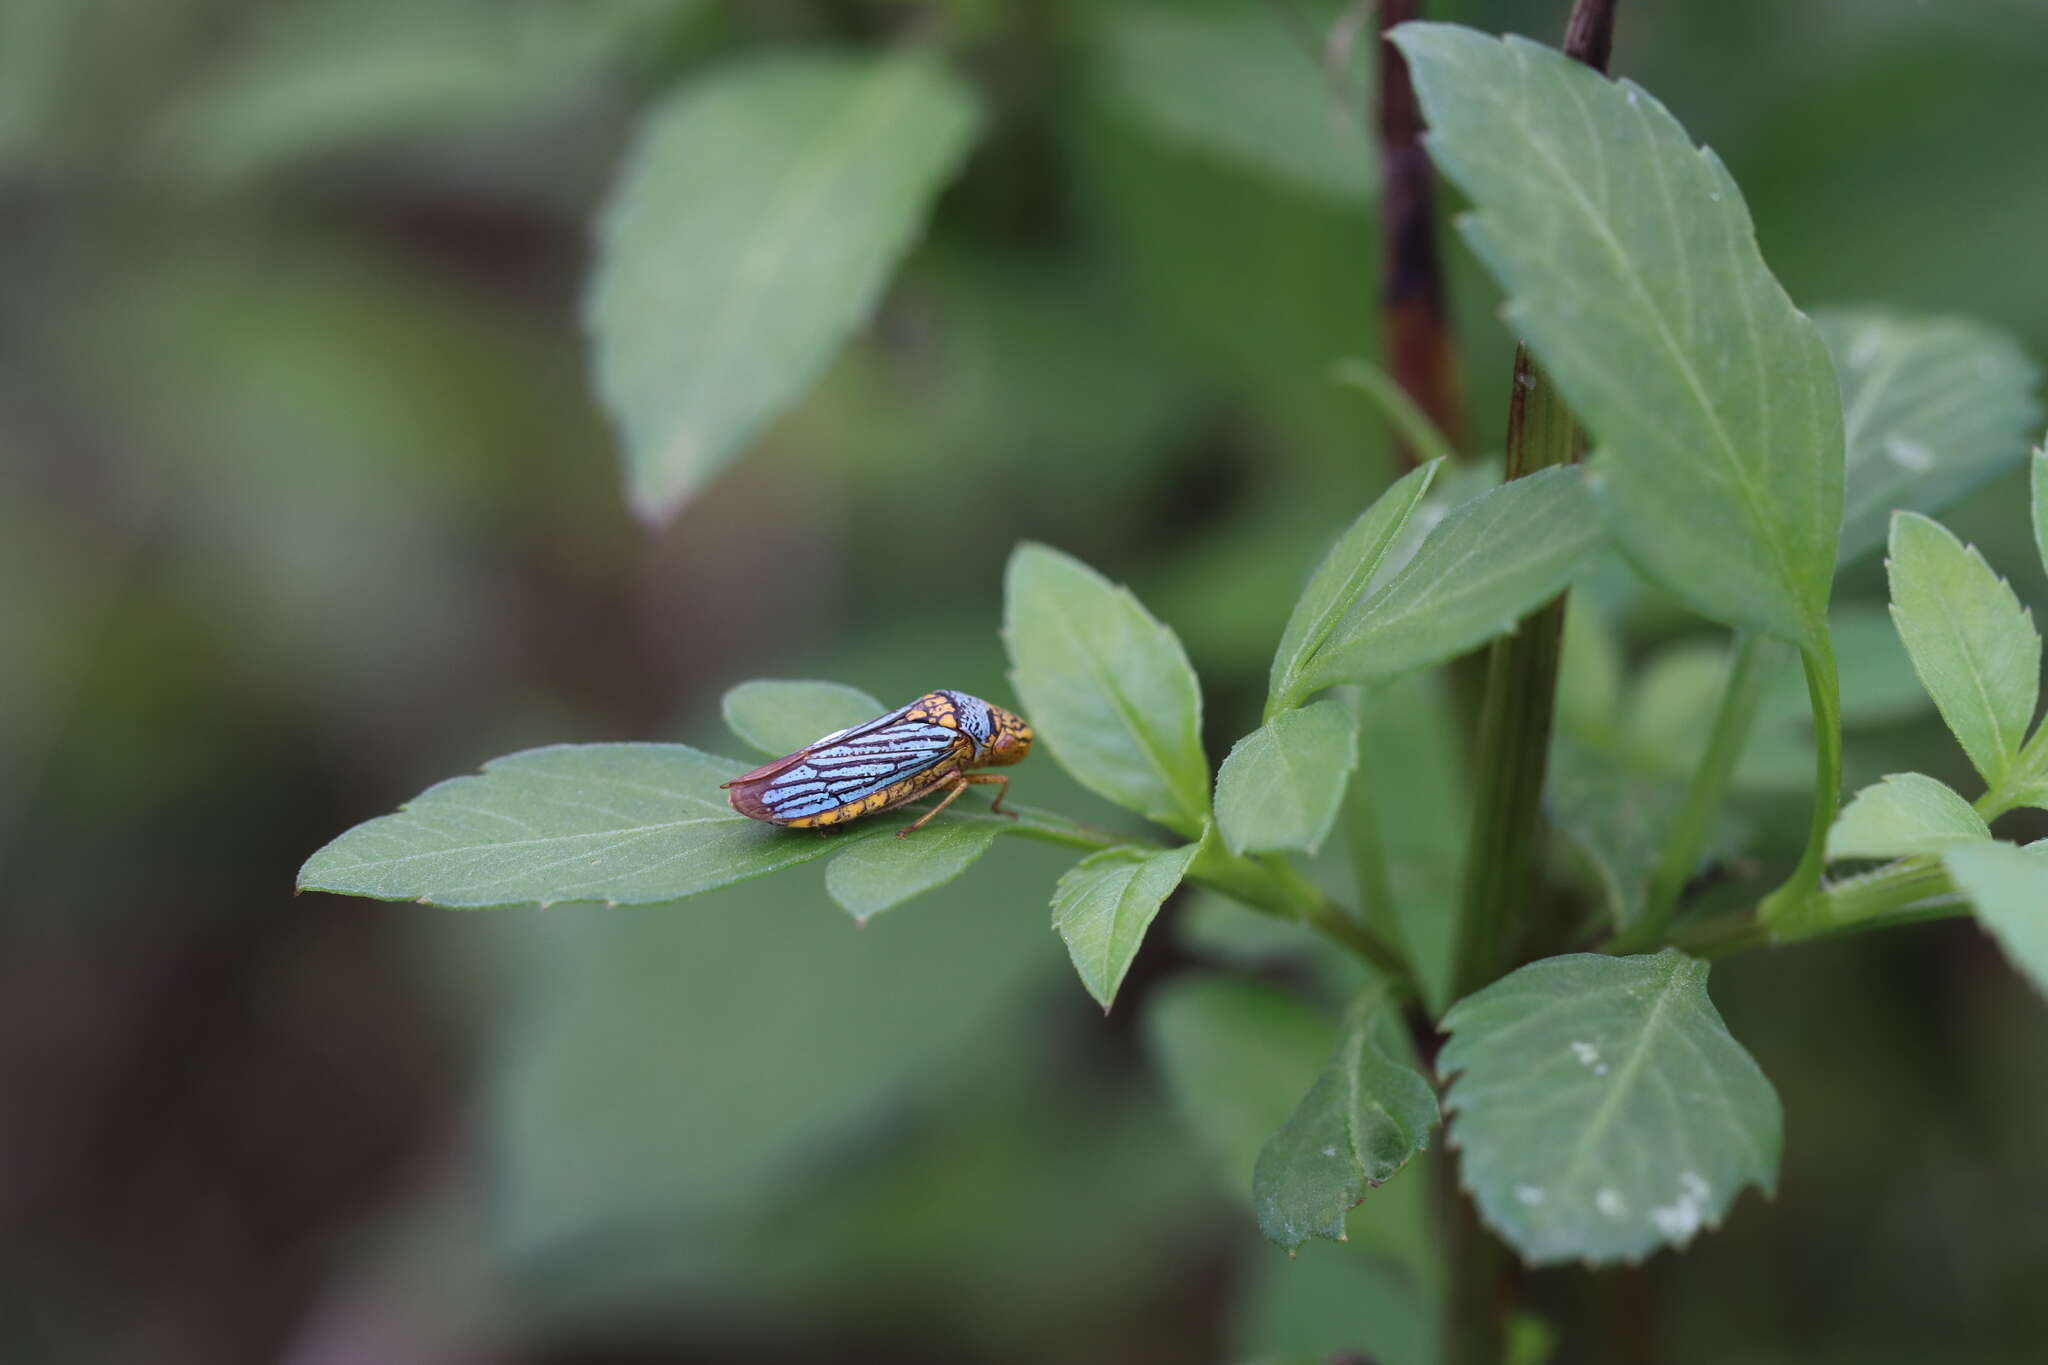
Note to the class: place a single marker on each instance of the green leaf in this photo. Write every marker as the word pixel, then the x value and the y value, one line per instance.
pixel 1412 798
pixel 1633 273
pixel 779 717
pixel 627 824
pixel 1618 819
pixel 1973 645
pixel 1905 814
pixel 1602 1107
pixel 1108 687
pixel 1487 564
pixel 1105 903
pixel 1236 1055
pixel 1369 1111
pixel 2008 887
pixel 2038 471
pixel 1343 576
pixel 753 226
pixel 1933 408
pixel 1279 789
pixel 881 874
pixel 1243 88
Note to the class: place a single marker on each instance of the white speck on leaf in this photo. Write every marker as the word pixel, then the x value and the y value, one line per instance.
pixel 1530 1194
pixel 1609 1201
pixel 1587 1054
pixel 1681 1218
pixel 1329 1151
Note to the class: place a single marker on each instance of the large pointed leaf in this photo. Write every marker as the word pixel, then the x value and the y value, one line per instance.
pixel 1905 814
pixel 2008 887
pixel 1104 905
pixel 1933 408
pixel 753 226
pixel 1343 576
pixel 1487 564
pixel 1107 687
pixel 630 824
pixel 1369 1111
pixel 1602 1108
pixel 1973 644
pixel 1279 789
pixel 1633 272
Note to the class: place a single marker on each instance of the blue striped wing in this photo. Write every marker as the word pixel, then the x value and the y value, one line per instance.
pixel 851 764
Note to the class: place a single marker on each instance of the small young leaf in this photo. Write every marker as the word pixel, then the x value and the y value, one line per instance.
pixel 631 824
pixel 1108 687
pixel 1933 408
pixel 1343 576
pixel 1905 814
pixel 1368 1112
pixel 880 874
pixel 1633 272
pixel 752 228
pixel 1105 903
pixel 1236 1055
pixel 1279 789
pixel 1973 645
pixel 1602 1107
pixel 1487 564
pixel 779 717
pixel 1237 85
pixel 2008 887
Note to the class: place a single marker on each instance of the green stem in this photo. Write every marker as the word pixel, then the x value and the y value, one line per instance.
pixel 1734 715
pixel 1401 411
pixel 1513 748
pixel 1050 827
pixel 1271 884
pixel 1903 892
pixel 1786 905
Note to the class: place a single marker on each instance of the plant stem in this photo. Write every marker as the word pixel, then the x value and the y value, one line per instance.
pixel 1787 904
pixel 1050 827
pixel 1410 421
pixel 1733 716
pixel 1271 884
pixel 1418 327
pixel 1515 714
pixel 1903 892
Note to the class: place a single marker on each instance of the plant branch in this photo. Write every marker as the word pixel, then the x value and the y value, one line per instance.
pixel 1417 318
pixel 1788 904
pixel 1733 716
pixel 1513 749
pixel 1271 884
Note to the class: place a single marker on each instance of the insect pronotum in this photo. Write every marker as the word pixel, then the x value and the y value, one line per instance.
pixel 915 750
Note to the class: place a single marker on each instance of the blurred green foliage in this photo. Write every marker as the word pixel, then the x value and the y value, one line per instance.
pixel 305 502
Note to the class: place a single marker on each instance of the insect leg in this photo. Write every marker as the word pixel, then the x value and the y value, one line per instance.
pixel 955 784
pixel 982 779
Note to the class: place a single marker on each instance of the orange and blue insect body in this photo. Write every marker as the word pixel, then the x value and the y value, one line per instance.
pixel 914 751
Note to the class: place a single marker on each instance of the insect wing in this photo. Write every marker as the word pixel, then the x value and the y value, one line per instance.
pixel 856 766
